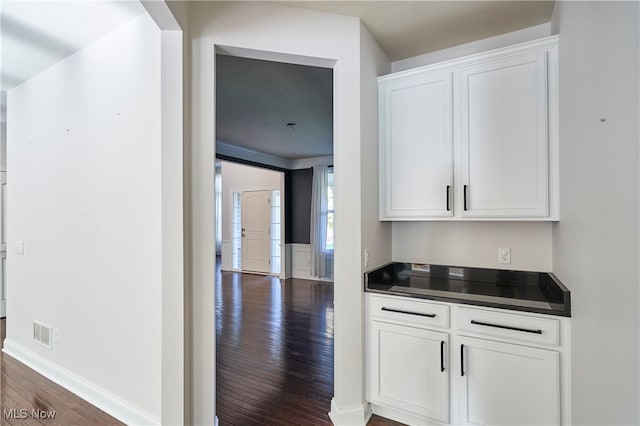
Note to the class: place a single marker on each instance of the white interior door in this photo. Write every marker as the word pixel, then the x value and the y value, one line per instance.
pixel 256 239
pixel 3 239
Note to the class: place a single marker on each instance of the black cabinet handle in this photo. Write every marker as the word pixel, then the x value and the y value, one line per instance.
pixel 408 312
pixel 462 360
pixel 506 327
pixel 448 191
pixel 464 196
pixel 442 356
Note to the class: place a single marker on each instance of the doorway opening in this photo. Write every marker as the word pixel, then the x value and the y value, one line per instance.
pixel 275 117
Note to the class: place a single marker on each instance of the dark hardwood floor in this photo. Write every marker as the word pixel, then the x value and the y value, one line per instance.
pixel 274 361
pixel 21 388
pixel 274 349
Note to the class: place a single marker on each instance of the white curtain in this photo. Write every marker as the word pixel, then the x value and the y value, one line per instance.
pixel 319 221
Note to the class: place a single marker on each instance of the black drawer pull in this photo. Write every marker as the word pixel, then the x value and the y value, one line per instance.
pixel 441 355
pixel 408 312
pixel 506 327
pixel 448 191
pixel 464 197
pixel 462 360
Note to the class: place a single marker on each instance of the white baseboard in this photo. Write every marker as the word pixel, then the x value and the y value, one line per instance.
pixel 92 393
pixel 352 416
pixel 402 416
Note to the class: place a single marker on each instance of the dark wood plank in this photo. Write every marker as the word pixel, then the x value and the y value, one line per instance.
pixel 274 351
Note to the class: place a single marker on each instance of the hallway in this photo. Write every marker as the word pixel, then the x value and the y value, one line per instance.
pixel 274 351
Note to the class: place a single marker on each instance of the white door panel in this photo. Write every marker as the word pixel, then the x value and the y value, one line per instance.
pixel 506 384
pixel 503 113
pixel 408 369
pixel 256 247
pixel 417 147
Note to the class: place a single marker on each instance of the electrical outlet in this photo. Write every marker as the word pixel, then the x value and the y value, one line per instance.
pixel 504 255
pixel 367 261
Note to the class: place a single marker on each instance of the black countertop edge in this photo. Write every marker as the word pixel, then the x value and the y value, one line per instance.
pixel 504 306
pixel 536 292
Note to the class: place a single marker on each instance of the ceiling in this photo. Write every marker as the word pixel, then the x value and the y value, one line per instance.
pixel 409 28
pixel 36 34
pixel 257 99
pixel 283 109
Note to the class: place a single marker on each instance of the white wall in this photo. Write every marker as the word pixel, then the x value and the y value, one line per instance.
pixel 595 244
pixel 84 143
pixel 305 37
pixel 376 235
pixel 474 243
pixel 180 11
pixel 3 147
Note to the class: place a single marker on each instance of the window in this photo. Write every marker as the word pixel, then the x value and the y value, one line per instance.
pixel 236 231
pixel 275 232
pixel 329 242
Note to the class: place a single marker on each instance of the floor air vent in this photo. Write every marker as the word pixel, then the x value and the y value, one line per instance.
pixel 42 334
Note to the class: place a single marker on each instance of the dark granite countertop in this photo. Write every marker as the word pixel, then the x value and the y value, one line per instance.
pixel 539 292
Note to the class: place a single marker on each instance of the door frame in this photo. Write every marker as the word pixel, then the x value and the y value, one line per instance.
pixel 3 243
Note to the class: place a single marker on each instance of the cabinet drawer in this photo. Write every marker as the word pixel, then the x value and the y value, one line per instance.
pixel 517 327
pixel 407 311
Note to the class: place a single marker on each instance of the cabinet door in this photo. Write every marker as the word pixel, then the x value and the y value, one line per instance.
pixel 506 384
pixel 416 147
pixel 409 369
pixel 504 138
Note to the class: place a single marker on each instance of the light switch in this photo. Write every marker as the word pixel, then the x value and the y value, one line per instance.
pixel 20 247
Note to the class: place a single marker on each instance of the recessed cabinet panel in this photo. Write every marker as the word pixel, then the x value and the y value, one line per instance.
pixel 504 138
pixel 409 369
pixel 474 138
pixel 417 146
pixel 505 384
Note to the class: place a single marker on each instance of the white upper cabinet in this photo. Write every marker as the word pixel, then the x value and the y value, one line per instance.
pixel 503 138
pixel 417 146
pixel 484 148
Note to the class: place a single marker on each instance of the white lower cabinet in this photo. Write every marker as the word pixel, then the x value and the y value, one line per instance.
pixel 439 363
pixel 408 369
pixel 506 384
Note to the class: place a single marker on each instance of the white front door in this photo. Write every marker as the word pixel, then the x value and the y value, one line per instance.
pixel 256 240
pixel 3 240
